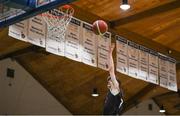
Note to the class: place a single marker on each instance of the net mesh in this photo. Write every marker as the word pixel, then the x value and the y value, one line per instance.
pixel 57 20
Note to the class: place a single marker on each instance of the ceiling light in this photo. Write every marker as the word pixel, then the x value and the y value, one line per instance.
pixel 162 110
pixel 125 5
pixel 95 93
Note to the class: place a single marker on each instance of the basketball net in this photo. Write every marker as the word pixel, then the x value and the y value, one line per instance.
pixel 57 20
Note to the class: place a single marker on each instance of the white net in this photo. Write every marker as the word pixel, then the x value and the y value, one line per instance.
pixel 57 20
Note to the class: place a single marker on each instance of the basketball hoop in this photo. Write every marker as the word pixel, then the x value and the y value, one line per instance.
pixel 57 20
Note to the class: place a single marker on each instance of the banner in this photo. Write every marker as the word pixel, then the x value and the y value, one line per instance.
pixel 172 82
pixel 19 30
pixel 37 31
pixel 104 43
pixel 121 55
pixel 163 70
pixel 89 45
pixel 133 53
pixel 143 63
pixel 55 45
pixel 73 46
pixel 153 67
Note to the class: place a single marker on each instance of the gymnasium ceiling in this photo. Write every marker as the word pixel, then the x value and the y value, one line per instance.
pixel 153 23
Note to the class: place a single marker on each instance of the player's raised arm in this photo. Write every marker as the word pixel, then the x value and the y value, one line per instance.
pixel 111 66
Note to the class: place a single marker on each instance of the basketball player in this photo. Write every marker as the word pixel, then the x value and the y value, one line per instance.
pixel 113 102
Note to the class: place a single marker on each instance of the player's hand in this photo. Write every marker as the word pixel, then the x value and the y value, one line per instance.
pixel 113 87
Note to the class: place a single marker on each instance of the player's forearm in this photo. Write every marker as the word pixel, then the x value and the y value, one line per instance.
pixel 113 78
pixel 112 72
pixel 112 75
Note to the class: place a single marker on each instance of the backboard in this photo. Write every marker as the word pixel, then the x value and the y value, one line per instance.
pixel 13 11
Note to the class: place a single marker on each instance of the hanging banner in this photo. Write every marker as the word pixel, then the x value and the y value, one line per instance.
pixel 37 31
pixel 153 67
pixel 172 82
pixel 19 30
pixel 121 55
pixel 104 43
pixel 163 70
pixel 133 52
pixel 73 47
pixel 54 44
pixel 143 63
pixel 89 45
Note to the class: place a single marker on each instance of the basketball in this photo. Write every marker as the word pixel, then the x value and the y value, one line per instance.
pixel 100 27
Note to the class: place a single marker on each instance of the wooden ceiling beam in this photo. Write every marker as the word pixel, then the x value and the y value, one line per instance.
pixel 24 51
pixel 17 52
pixel 134 100
pixel 166 94
pixel 147 13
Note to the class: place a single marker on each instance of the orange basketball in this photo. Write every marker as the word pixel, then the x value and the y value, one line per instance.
pixel 100 27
